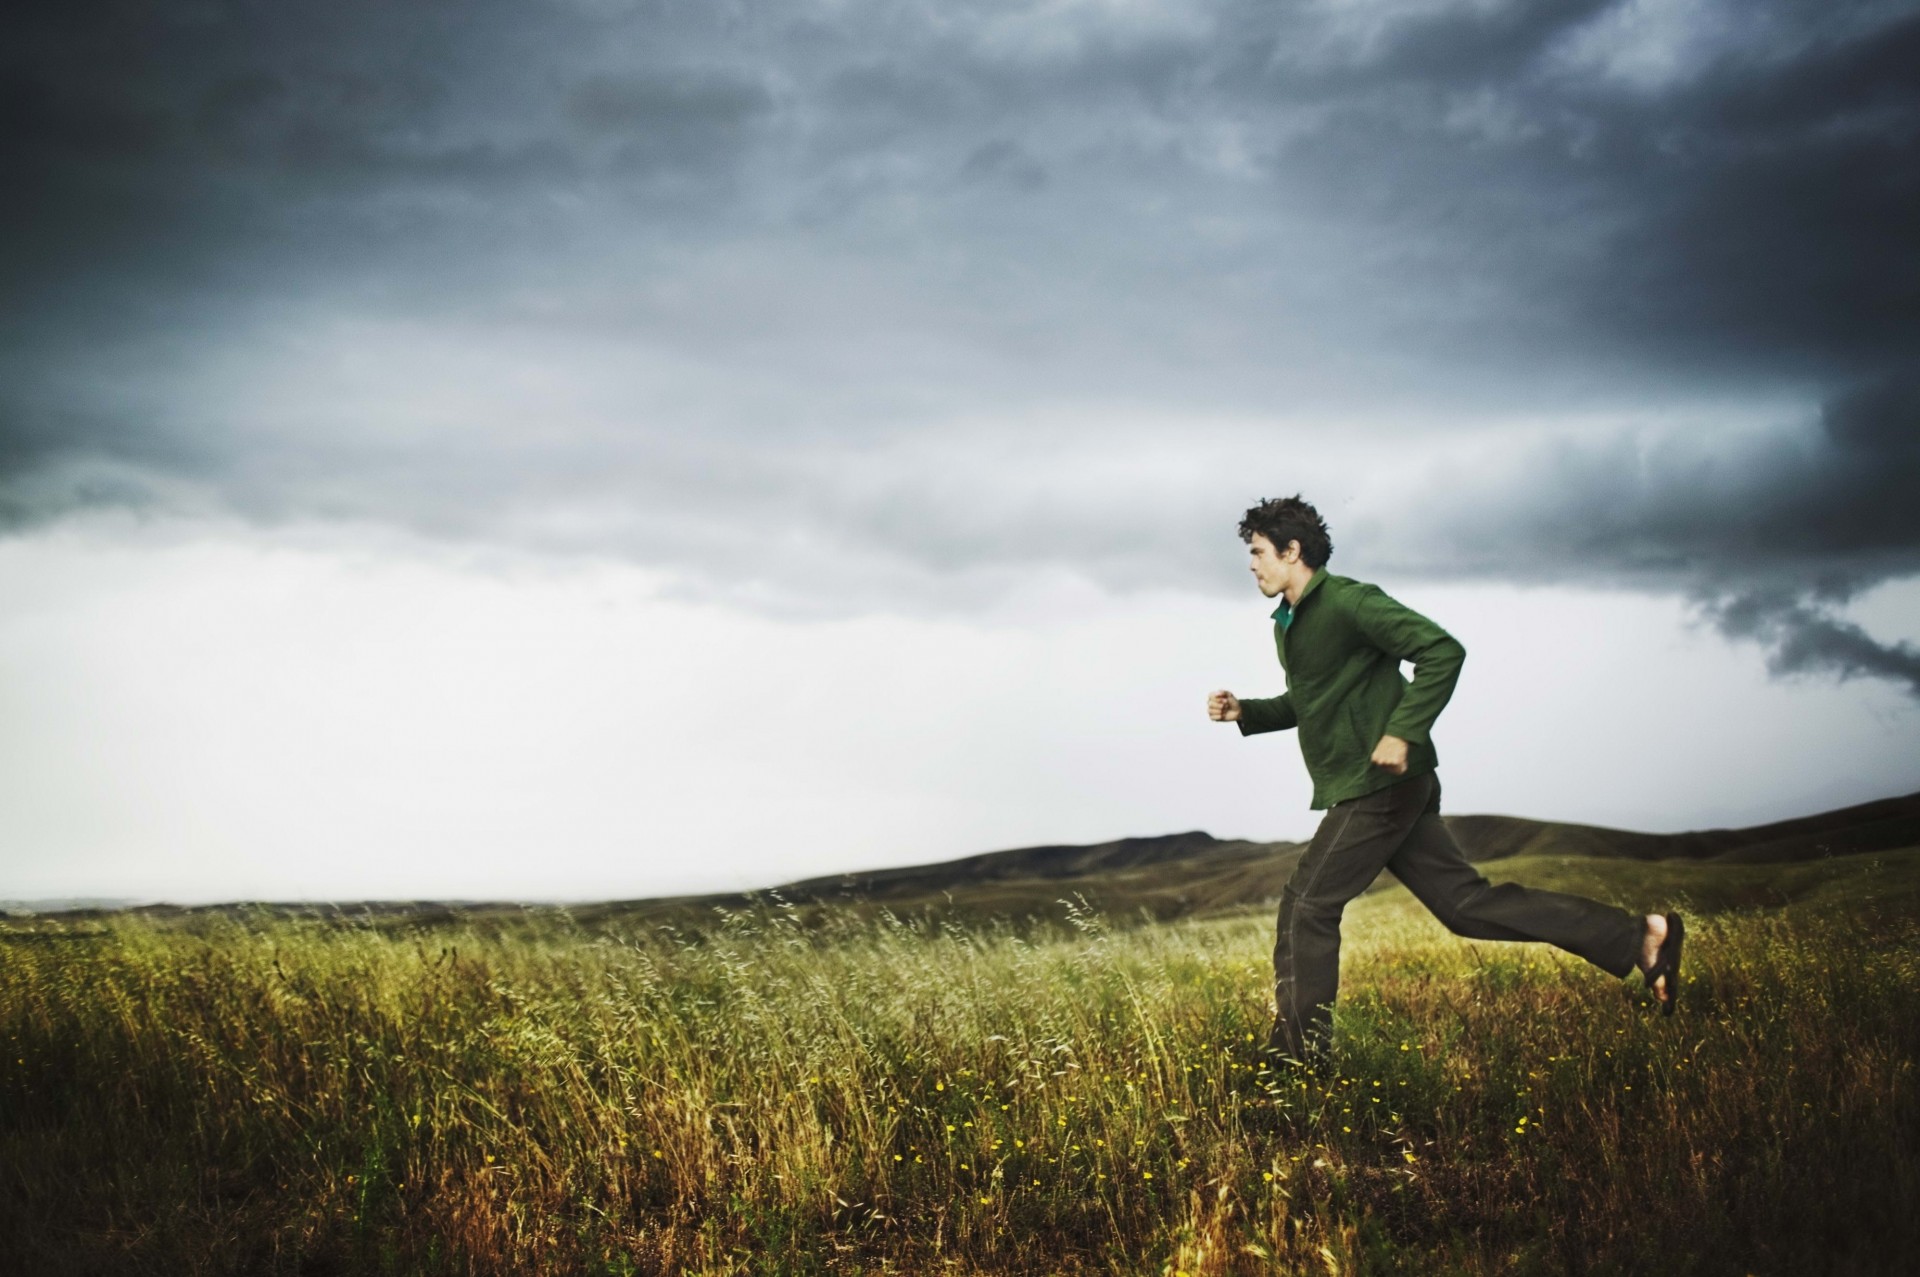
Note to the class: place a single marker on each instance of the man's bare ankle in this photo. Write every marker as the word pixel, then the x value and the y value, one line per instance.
pixel 1656 934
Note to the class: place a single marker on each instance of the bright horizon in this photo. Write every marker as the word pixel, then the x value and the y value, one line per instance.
pixel 517 728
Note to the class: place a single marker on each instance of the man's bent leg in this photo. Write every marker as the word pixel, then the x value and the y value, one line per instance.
pixel 1354 842
pixel 1437 872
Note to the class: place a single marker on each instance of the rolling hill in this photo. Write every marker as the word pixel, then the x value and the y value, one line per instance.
pixel 1196 874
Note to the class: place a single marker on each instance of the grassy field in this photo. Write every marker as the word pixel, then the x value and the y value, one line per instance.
pixel 771 1094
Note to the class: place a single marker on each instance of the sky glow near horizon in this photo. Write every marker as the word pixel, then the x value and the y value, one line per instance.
pixel 230 716
pixel 585 449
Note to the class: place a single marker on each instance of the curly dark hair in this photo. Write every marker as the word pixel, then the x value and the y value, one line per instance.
pixel 1284 519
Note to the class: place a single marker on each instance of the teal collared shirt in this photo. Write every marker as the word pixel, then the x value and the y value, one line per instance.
pixel 1340 646
pixel 1285 613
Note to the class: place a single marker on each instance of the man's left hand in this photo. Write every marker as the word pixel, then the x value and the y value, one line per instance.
pixel 1391 754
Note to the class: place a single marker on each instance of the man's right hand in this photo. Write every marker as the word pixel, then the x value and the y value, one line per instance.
pixel 1223 707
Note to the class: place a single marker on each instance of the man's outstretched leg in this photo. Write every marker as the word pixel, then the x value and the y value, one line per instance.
pixel 1354 842
pixel 1437 872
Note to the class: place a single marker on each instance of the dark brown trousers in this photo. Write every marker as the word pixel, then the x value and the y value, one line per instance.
pixel 1399 829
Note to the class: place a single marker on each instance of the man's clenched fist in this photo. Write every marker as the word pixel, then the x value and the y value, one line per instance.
pixel 1223 707
pixel 1391 755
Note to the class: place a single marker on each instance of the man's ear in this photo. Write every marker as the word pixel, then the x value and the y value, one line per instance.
pixel 1293 548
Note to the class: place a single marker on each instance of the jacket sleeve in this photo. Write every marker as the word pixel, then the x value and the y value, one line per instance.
pixel 1268 714
pixel 1437 656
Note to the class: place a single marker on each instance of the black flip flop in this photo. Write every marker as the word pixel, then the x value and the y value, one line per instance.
pixel 1667 962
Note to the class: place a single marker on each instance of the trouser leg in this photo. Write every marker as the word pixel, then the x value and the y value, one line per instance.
pixel 1437 872
pixel 1354 842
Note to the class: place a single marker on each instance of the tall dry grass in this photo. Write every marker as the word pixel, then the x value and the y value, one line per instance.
pixel 263 1095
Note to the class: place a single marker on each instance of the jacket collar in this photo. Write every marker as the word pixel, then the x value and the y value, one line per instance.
pixel 1313 583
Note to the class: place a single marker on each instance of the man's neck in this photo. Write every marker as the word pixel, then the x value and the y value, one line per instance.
pixel 1296 587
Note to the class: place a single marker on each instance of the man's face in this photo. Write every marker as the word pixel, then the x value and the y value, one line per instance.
pixel 1270 566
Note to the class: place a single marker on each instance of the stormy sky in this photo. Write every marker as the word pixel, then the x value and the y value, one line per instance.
pixel 591 447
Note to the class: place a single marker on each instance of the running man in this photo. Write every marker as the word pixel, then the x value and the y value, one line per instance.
pixel 1364 734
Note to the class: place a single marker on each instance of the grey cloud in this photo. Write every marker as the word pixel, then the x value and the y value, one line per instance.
pixel 1878 423
pixel 624 103
pixel 621 271
pixel 1768 535
pixel 1800 639
pixel 1752 219
pixel 53 118
pixel 1004 163
pixel 1829 501
pixel 1796 234
pixel 1464 44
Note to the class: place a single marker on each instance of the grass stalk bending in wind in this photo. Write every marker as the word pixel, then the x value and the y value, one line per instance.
pixel 270 1095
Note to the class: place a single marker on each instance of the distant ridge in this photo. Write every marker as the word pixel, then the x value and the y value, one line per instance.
pixel 1067 860
pixel 1174 875
pixel 1882 825
pixel 1168 875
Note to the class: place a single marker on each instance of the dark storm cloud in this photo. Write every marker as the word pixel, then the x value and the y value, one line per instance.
pixel 1768 533
pixel 1852 517
pixel 1831 505
pixel 602 275
pixel 1802 639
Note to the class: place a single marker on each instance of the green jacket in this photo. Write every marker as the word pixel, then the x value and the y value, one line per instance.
pixel 1341 646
